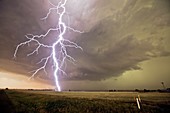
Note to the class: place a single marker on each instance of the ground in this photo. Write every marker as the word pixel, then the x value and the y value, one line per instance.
pixel 24 101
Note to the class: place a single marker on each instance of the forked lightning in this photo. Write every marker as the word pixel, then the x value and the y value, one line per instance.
pixel 59 56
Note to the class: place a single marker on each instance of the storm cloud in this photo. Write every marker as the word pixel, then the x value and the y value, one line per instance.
pixel 120 41
pixel 118 35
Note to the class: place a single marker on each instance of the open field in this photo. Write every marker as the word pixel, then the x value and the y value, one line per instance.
pixel 24 101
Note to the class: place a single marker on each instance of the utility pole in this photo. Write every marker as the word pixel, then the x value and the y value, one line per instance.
pixel 163 85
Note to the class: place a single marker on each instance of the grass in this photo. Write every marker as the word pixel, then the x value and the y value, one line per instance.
pixel 87 102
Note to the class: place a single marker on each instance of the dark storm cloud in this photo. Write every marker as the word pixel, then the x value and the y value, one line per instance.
pixel 117 44
pixel 113 60
pixel 17 19
pixel 116 39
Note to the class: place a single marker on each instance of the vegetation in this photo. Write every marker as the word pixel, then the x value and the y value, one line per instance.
pixel 87 102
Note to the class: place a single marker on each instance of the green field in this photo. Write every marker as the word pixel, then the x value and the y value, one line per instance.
pixel 87 102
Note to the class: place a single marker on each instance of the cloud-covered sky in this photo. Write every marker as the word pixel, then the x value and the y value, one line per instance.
pixel 125 42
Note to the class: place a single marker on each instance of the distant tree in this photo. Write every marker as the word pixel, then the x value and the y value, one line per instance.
pixel 163 85
pixel 145 90
pixel 158 90
pixel 6 88
pixel 168 89
pixel 110 90
pixel 136 90
pixel 30 89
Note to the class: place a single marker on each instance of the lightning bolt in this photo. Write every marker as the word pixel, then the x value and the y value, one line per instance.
pixel 59 56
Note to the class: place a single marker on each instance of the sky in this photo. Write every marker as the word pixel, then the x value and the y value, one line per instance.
pixel 125 44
